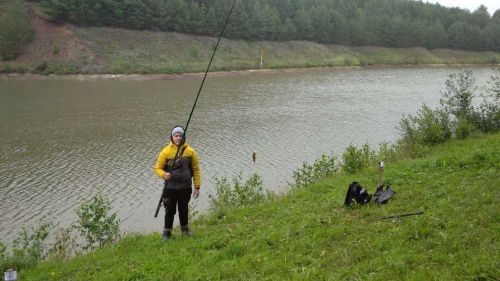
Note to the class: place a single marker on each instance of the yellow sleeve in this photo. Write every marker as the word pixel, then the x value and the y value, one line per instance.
pixel 196 170
pixel 160 164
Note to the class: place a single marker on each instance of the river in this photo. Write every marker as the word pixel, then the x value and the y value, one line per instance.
pixel 63 141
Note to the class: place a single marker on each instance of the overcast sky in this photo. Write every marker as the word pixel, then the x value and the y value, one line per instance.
pixel 471 5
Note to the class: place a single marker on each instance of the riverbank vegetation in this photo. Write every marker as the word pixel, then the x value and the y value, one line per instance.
pixel 445 164
pixel 16 29
pixel 90 37
pixel 387 23
pixel 91 50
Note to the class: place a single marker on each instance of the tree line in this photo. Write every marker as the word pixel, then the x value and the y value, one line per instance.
pixel 16 29
pixel 389 23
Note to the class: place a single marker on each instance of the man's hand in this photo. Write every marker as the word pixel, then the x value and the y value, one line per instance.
pixel 196 193
pixel 167 176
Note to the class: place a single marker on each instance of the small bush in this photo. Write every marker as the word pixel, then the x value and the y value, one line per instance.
pixel 387 152
pixel 193 51
pixel 65 245
pixel 30 244
pixel 29 248
pixel 428 127
pixel 228 194
pixel 457 97
pixel 355 160
pixel 488 116
pixel 308 174
pixel 95 224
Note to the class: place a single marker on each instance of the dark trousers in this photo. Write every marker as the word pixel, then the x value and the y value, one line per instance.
pixel 177 199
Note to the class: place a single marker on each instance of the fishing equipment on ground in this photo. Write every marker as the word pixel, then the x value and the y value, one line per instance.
pixel 163 195
pixel 383 194
pixel 402 215
pixel 380 169
pixel 357 193
pixel 360 195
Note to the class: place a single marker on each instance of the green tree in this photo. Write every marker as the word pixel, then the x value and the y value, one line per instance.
pixel 304 25
pixel 391 23
pixel 457 97
pixel 462 35
pixel 492 36
pixel 436 36
pixel 480 17
pixel 16 29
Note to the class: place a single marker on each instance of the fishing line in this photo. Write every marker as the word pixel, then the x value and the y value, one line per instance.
pixel 196 101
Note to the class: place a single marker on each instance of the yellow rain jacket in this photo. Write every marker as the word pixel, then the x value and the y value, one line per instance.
pixel 186 167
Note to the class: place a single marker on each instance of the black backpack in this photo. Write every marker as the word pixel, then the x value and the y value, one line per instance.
pixel 358 193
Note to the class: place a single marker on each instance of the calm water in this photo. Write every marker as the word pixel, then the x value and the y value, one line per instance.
pixel 61 142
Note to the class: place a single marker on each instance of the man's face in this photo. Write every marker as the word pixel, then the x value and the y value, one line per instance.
pixel 177 138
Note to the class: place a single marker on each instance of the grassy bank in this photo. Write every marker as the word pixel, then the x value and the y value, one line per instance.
pixel 65 49
pixel 308 235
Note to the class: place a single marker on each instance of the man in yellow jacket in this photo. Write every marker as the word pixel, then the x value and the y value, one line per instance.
pixel 178 178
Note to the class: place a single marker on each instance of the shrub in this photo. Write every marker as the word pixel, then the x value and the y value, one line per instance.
pixel 353 160
pixel 428 127
pixel 16 29
pixel 95 224
pixel 30 245
pixel 458 95
pixel 488 118
pixel 308 174
pixel 229 194
pixel 28 248
pixel 387 152
pixel 65 245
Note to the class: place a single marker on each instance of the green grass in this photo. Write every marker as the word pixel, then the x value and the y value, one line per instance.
pixel 308 235
pixel 121 51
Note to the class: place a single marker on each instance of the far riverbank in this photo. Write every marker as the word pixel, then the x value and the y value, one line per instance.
pixel 114 53
pixel 198 75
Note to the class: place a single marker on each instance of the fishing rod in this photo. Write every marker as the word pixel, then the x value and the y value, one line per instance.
pixel 402 215
pixel 194 105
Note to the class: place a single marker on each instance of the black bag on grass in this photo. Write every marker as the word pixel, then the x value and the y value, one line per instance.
pixel 358 193
pixel 382 195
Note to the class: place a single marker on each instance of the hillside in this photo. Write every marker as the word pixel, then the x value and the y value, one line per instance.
pixel 308 235
pixel 65 49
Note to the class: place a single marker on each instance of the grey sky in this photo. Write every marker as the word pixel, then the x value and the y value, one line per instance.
pixel 471 5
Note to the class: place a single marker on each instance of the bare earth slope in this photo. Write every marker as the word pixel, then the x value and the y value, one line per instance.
pixel 54 43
